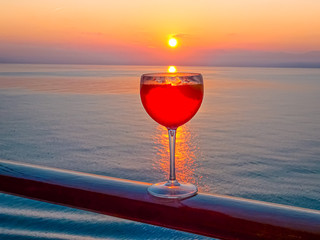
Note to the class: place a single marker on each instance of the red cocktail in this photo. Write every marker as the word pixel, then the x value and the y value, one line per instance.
pixel 171 99
pixel 171 105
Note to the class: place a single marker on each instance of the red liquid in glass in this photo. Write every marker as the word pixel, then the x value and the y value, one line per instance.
pixel 171 105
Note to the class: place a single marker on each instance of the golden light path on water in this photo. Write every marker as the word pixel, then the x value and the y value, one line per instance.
pixel 187 155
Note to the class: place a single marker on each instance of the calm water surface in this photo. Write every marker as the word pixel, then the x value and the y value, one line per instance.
pixel 256 135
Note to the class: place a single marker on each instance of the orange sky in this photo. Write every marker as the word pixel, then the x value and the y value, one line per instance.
pixel 125 28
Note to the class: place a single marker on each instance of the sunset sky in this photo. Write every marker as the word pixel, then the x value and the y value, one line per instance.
pixel 209 32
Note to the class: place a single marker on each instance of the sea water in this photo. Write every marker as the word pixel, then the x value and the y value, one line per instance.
pixel 256 136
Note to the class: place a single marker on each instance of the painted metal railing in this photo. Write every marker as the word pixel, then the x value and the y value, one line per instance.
pixel 206 214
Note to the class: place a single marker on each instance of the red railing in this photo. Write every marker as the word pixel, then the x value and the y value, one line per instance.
pixel 210 215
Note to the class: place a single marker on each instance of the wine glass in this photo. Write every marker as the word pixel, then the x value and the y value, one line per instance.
pixel 171 99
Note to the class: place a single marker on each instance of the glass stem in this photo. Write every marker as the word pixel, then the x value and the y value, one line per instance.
pixel 172 144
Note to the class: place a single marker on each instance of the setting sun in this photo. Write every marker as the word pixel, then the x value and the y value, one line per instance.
pixel 172 69
pixel 173 42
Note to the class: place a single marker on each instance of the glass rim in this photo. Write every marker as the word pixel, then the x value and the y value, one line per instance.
pixel 168 74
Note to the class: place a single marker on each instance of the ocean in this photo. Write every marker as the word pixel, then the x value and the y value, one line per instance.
pixel 256 136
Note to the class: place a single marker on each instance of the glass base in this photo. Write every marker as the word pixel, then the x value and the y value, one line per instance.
pixel 172 189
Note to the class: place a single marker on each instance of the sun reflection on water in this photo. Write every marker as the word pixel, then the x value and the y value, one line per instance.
pixel 187 155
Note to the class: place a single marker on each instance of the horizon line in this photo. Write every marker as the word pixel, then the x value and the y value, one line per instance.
pixel 284 65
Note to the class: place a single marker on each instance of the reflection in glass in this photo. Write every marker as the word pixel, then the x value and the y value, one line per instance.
pixel 187 151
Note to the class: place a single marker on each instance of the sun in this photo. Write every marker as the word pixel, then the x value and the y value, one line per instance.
pixel 173 42
pixel 172 69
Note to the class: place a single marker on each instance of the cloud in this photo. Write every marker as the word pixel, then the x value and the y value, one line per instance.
pixel 182 35
pixel 248 58
pixel 111 54
pixel 93 33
